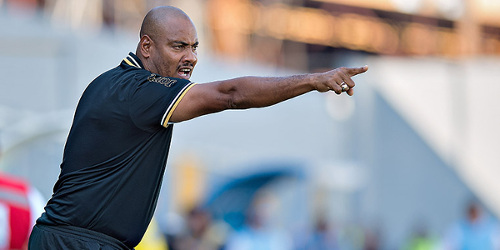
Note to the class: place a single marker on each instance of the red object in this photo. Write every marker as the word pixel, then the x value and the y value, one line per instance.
pixel 15 203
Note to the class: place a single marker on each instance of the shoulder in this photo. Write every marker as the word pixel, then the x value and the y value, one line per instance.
pixel 145 77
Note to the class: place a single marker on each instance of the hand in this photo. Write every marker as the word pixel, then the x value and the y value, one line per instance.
pixel 334 79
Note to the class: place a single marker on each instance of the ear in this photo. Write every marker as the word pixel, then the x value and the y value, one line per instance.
pixel 145 46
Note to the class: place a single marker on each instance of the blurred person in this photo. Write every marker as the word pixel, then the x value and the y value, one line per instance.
pixel 198 222
pixel 20 205
pixel 476 230
pixel 201 234
pixel 116 151
pixel 258 231
pixel 371 240
pixel 322 236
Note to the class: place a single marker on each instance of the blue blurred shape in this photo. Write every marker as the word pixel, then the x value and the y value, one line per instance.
pixel 231 200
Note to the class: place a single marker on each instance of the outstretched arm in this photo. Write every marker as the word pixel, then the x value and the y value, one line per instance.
pixel 254 92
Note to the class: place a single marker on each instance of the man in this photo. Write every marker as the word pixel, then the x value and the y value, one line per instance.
pixel 116 151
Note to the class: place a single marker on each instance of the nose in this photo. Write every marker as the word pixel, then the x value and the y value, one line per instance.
pixel 191 56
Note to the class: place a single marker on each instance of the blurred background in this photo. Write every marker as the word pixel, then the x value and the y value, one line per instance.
pixel 409 162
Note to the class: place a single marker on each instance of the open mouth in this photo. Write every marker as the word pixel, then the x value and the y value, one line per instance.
pixel 185 73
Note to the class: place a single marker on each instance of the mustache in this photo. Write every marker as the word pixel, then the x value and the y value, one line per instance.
pixel 186 65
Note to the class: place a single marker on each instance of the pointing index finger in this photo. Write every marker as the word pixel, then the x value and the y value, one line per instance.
pixel 356 71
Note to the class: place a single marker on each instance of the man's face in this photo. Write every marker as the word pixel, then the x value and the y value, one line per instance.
pixel 175 51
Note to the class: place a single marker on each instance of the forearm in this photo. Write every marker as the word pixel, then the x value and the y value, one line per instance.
pixel 254 92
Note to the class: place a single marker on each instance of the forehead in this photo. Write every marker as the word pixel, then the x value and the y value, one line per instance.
pixel 180 29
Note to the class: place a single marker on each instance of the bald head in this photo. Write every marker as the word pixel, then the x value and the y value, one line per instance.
pixel 168 42
pixel 158 19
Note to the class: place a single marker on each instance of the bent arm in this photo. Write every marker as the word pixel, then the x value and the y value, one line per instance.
pixel 255 92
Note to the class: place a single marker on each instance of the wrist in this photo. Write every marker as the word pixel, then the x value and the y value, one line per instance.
pixel 315 81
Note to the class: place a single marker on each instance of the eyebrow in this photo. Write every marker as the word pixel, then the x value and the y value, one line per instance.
pixel 185 44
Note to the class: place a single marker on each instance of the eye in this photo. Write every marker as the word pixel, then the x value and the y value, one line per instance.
pixel 178 46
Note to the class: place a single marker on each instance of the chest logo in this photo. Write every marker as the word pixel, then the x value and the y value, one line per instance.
pixel 165 81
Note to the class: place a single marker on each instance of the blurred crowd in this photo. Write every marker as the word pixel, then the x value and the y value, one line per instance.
pixel 198 229
pixel 204 232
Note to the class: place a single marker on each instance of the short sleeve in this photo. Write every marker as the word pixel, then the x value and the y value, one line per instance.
pixel 155 99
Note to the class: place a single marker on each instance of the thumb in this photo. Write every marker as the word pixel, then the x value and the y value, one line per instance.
pixel 355 71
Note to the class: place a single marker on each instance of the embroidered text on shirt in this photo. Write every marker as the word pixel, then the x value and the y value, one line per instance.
pixel 165 81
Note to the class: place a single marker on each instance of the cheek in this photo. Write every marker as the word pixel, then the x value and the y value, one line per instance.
pixel 171 59
pixel 169 66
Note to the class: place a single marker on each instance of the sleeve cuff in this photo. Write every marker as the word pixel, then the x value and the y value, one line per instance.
pixel 165 121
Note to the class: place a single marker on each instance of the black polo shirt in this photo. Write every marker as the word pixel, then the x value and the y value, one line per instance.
pixel 116 152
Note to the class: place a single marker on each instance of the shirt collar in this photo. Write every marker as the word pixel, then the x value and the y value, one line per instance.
pixel 133 60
